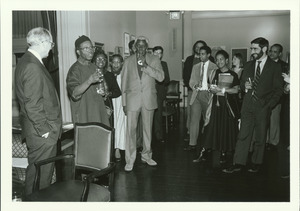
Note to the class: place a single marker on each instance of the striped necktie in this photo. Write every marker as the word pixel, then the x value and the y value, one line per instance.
pixel 256 80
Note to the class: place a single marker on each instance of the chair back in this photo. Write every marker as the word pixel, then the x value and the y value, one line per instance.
pixel 173 88
pixel 93 145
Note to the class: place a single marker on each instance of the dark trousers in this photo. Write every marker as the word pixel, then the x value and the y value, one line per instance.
pixel 39 149
pixel 158 120
pixel 256 117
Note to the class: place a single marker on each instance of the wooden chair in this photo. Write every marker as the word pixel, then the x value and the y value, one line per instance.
pixel 93 153
pixel 173 96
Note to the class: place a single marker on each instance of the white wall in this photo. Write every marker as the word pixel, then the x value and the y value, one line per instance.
pixel 239 32
pixel 158 28
pixel 108 27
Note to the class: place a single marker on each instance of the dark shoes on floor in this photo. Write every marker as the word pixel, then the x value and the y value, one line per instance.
pixel 254 168
pixel 202 156
pixel 271 147
pixel 233 168
pixel 189 148
pixel 223 157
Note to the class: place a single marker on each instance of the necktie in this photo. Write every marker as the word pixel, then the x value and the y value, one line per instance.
pixel 256 80
pixel 204 80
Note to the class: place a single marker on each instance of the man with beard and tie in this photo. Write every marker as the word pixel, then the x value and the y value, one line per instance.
pixel 263 84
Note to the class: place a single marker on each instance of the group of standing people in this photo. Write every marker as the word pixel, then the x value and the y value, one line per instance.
pixel 115 98
pixel 137 86
pixel 119 97
pixel 239 106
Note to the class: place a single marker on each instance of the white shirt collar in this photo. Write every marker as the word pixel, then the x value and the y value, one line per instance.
pixel 262 64
pixel 36 54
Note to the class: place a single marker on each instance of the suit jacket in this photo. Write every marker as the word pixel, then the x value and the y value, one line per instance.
pixel 270 86
pixel 161 87
pixel 40 110
pixel 136 91
pixel 284 66
pixel 196 78
pixel 187 71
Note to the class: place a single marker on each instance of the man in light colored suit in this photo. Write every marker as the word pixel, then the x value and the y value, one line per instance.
pixel 201 78
pixel 40 113
pixel 139 73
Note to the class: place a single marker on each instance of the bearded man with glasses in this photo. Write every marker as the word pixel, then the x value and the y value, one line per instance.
pixel 83 84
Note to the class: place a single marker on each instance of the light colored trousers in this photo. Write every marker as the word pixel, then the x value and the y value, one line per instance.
pixel 132 120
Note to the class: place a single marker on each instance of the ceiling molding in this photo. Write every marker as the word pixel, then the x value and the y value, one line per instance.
pixel 237 14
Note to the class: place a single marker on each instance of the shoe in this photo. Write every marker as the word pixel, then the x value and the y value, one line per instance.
pixel 285 176
pixel 161 140
pixel 271 147
pixel 223 157
pixel 128 167
pixel 150 162
pixel 233 168
pixel 117 155
pixel 254 168
pixel 189 148
pixel 202 156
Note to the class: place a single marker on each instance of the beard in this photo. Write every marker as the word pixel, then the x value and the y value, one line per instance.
pixel 257 56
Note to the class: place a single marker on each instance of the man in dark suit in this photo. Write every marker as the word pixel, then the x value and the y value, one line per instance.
pixel 139 73
pixel 262 95
pixel 187 71
pixel 274 130
pixel 40 112
pixel 161 88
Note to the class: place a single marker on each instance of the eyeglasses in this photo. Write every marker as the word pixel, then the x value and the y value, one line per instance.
pixel 52 43
pixel 101 59
pixel 88 48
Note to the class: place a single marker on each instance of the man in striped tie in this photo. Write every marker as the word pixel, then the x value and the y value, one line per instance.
pixel 263 86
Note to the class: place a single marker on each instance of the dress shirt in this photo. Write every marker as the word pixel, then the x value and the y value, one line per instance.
pixel 262 64
pixel 36 54
pixel 204 78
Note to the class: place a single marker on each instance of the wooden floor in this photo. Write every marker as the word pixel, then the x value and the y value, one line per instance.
pixel 178 179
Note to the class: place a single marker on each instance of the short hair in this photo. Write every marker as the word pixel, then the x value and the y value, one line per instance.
pixel 37 35
pixel 141 38
pixel 131 43
pixel 262 42
pixel 199 41
pixel 222 52
pixel 97 53
pixel 117 56
pixel 278 46
pixel 240 57
pixel 158 48
pixel 206 48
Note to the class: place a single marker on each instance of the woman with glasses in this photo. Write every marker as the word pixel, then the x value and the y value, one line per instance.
pixel 83 79
pixel 109 85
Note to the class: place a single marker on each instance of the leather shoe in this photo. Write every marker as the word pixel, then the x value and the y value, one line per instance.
pixel 128 167
pixel 223 157
pixel 233 168
pixel 150 162
pixel 254 168
pixel 189 148
pixel 202 156
pixel 271 147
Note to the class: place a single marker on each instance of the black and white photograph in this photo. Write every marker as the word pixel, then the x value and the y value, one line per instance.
pixel 185 109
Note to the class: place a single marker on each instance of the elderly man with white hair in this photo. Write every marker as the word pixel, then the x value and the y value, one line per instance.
pixel 139 73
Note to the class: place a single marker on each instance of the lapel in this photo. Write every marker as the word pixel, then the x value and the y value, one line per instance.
pixel 133 66
pixel 266 68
